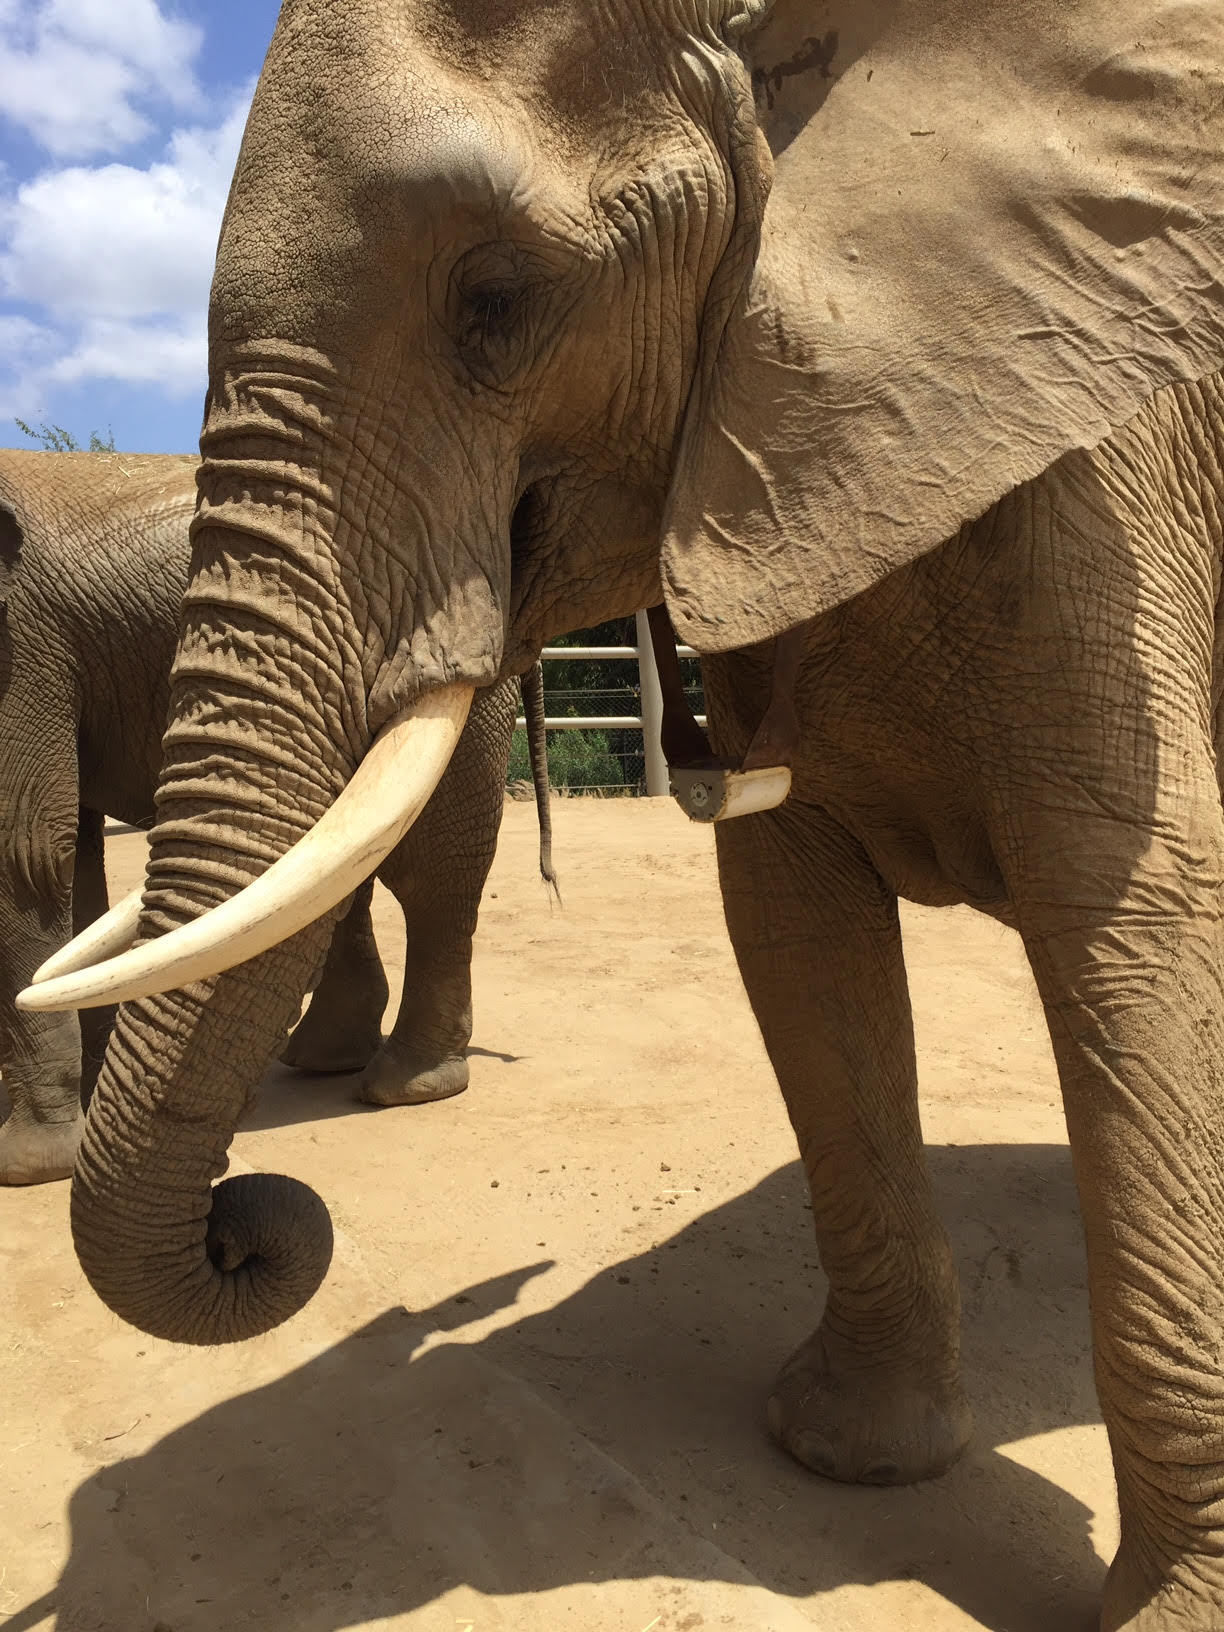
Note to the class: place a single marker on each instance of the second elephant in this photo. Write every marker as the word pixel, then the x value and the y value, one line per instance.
pixel 94 555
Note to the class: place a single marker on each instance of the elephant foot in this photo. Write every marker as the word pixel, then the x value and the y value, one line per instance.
pixel 38 1152
pixel 1189 1598
pixel 869 1425
pixel 325 1048
pixel 396 1076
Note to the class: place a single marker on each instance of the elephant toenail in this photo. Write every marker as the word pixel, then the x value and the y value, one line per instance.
pixel 880 1473
pixel 815 1453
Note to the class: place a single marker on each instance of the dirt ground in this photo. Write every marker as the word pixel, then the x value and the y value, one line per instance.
pixel 530 1394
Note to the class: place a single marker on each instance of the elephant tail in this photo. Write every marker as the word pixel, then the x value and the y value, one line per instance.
pixel 537 747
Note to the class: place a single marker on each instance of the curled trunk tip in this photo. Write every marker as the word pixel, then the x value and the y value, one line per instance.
pixel 264 1254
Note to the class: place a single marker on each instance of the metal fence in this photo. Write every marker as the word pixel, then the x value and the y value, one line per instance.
pixel 604 739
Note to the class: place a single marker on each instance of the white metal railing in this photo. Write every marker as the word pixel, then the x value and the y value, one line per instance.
pixel 606 651
pixel 649 723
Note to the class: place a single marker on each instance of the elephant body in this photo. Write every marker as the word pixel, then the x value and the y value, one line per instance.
pixel 1003 725
pixel 901 324
pixel 94 554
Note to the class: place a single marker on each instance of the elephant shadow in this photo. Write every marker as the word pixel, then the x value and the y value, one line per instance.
pixel 390 1470
pixel 287 1097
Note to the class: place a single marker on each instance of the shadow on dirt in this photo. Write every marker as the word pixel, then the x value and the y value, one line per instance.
pixel 287 1097
pixel 370 1481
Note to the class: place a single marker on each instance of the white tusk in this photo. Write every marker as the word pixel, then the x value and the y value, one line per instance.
pixel 387 793
pixel 114 932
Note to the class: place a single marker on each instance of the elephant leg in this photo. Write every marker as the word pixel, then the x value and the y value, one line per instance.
pixel 1133 990
pixel 342 1028
pixel 89 902
pixel 437 874
pixel 874 1395
pixel 40 1053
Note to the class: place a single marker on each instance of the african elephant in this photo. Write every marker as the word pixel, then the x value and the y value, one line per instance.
pixel 95 550
pixel 900 324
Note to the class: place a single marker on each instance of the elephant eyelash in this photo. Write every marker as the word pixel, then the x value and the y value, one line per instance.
pixel 491 330
pixel 493 304
pixel 491 307
pixel 499 291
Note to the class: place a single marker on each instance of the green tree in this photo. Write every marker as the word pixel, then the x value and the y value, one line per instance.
pixel 55 439
pixel 577 760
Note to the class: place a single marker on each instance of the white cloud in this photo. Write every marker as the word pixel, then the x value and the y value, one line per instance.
pixel 21 338
pixel 116 241
pixel 115 264
pixel 80 75
pixel 26 346
pixel 171 356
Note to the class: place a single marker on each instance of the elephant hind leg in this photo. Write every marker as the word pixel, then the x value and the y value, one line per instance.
pixel 874 1395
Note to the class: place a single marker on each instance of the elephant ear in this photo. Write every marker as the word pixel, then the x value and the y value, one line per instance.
pixel 995 229
pixel 10 549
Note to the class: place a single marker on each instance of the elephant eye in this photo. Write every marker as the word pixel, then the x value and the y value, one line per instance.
pixel 490 308
pixel 491 329
pixel 497 294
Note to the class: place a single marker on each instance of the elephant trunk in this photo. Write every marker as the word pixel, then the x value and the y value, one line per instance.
pixel 163 1250
pixel 288 667
pixel 263 734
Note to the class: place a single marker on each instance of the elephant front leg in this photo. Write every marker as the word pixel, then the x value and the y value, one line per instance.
pixel 89 902
pixel 40 1054
pixel 1135 1002
pixel 874 1395
pixel 437 873
pixel 42 1075
pixel 424 1057
pixel 341 1030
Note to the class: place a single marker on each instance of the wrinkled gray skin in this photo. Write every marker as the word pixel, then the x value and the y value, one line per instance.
pixel 94 578
pixel 480 269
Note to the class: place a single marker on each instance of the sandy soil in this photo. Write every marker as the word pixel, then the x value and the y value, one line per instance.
pixel 530 1394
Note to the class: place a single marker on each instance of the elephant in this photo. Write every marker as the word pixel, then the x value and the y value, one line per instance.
pixel 95 553
pixel 890 333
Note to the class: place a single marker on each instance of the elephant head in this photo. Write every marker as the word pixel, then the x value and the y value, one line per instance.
pixel 522 308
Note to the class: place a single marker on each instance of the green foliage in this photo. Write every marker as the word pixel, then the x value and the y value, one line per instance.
pixel 576 760
pixel 594 685
pixel 519 767
pixel 55 439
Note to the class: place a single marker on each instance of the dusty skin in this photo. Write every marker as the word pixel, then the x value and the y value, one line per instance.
pixel 530 1394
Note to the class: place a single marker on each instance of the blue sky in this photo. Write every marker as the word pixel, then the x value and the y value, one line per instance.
pixel 119 126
